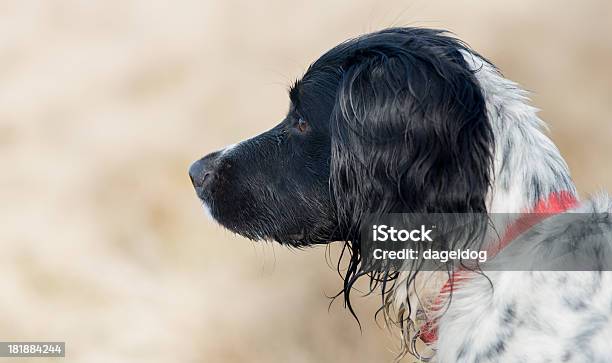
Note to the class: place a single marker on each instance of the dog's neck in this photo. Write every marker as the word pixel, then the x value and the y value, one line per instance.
pixel 527 165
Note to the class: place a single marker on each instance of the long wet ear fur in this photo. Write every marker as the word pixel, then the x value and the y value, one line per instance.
pixel 410 134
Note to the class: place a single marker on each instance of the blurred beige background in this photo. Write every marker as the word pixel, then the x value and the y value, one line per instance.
pixel 103 106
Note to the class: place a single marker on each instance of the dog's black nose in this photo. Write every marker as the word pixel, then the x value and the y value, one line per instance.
pixel 202 171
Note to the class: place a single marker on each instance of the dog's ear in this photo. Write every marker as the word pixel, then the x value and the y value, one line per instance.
pixel 409 134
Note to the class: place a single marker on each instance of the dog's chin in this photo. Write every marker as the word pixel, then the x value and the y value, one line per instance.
pixel 295 239
pixel 264 230
pixel 299 239
pixel 289 239
pixel 306 238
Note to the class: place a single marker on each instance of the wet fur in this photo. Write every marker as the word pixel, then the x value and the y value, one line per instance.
pixel 413 120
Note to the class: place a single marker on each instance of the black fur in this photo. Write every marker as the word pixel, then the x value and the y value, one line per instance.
pixel 393 121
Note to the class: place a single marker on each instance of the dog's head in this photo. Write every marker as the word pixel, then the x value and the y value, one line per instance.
pixel 389 122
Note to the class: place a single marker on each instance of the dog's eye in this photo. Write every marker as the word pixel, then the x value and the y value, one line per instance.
pixel 302 125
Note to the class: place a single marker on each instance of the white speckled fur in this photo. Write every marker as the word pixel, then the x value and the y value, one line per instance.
pixel 528 167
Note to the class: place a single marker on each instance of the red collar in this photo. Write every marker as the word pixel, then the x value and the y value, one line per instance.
pixel 557 202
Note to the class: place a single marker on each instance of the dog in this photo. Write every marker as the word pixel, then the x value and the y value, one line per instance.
pixel 411 120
